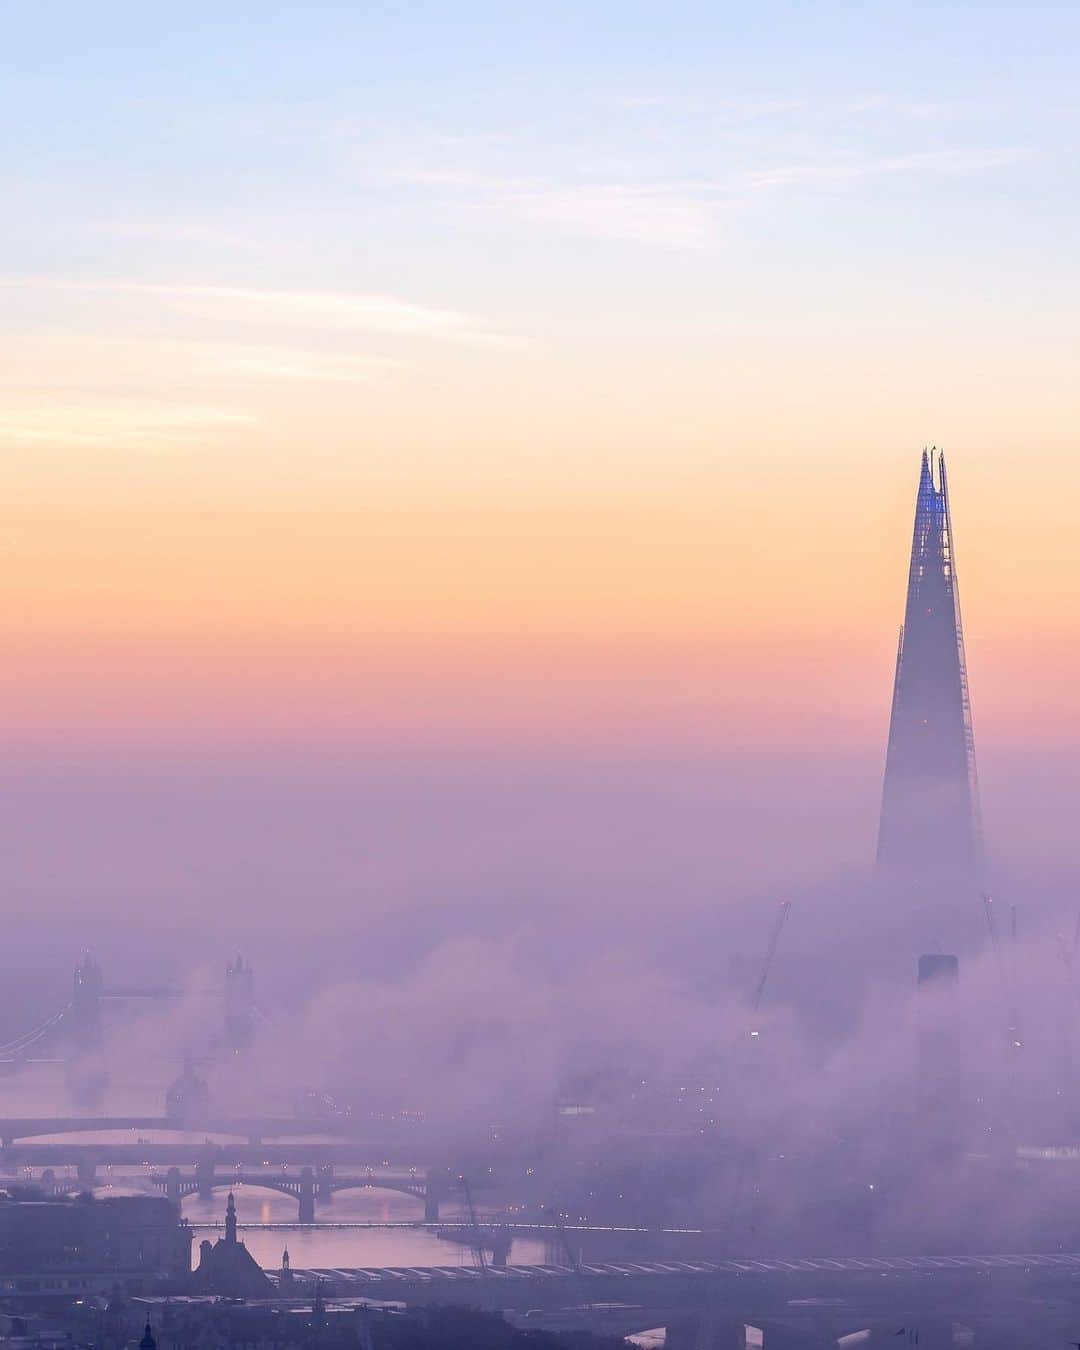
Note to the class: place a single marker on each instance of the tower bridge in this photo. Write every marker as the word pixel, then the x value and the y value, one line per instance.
pixel 78 1025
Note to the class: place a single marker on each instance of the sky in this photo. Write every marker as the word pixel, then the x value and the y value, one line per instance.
pixel 453 448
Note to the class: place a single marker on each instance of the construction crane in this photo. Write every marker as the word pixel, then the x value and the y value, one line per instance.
pixel 1007 976
pixel 746 1158
pixel 572 1260
pixel 583 1294
pixel 774 939
pixel 479 1255
pixel 1066 954
pixel 991 928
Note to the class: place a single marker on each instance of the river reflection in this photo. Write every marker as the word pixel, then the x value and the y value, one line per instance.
pixel 342 1247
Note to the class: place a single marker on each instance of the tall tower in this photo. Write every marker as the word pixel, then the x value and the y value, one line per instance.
pixel 239 1004
pixel 930 803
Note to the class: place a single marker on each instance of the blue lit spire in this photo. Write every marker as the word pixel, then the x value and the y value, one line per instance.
pixel 930 804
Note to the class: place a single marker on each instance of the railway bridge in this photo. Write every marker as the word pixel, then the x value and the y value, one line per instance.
pixel 311 1185
pixel 1033 1297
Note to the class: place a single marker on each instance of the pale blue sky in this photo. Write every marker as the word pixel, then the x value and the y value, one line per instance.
pixel 550 199
pixel 255 143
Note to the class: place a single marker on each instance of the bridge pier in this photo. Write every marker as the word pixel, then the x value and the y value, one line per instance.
pixel 501 1247
pixel 435 1188
pixel 324 1185
pixel 48 1181
pixel 86 1170
pixel 172 1185
pixel 204 1172
pixel 307 1196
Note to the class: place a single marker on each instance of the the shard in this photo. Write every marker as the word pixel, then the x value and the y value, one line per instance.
pixel 930 803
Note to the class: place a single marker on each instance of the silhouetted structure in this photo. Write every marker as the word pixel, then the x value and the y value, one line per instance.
pixel 187 1099
pixel 84 1245
pixel 239 1004
pixel 943 1092
pixel 86 991
pixel 226 1267
pixel 938 970
pixel 930 806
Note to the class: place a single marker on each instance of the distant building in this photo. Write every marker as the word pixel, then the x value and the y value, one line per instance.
pixel 944 1093
pixel 201 1321
pixel 239 1004
pixel 939 970
pixel 227 1268
pixel 187 1100
pixel 67 1247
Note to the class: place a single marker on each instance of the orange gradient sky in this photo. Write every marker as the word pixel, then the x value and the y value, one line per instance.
pixel 370 414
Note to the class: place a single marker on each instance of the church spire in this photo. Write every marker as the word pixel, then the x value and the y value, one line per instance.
pixel 230 1219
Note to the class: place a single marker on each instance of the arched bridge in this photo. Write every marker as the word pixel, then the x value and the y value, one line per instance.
pixel 15 1129
pixel 309 1185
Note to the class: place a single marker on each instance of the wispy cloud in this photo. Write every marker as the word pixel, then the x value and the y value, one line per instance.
pixel 686 211
pixel 327 311
pixel 620 211
pixel 68 385
pixel 841 168
pixel 73 364
pixel 285 363
pixel 116 424
pixel 674 214
pixel 186 233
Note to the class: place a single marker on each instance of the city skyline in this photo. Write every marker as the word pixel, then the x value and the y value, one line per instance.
pixel 521 408
pixel 457 465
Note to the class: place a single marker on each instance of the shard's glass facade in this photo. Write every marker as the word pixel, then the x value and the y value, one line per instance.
pixel 930 805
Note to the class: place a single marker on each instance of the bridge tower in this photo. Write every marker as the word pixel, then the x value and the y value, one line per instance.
pixel 86 990
pixel 239 1004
